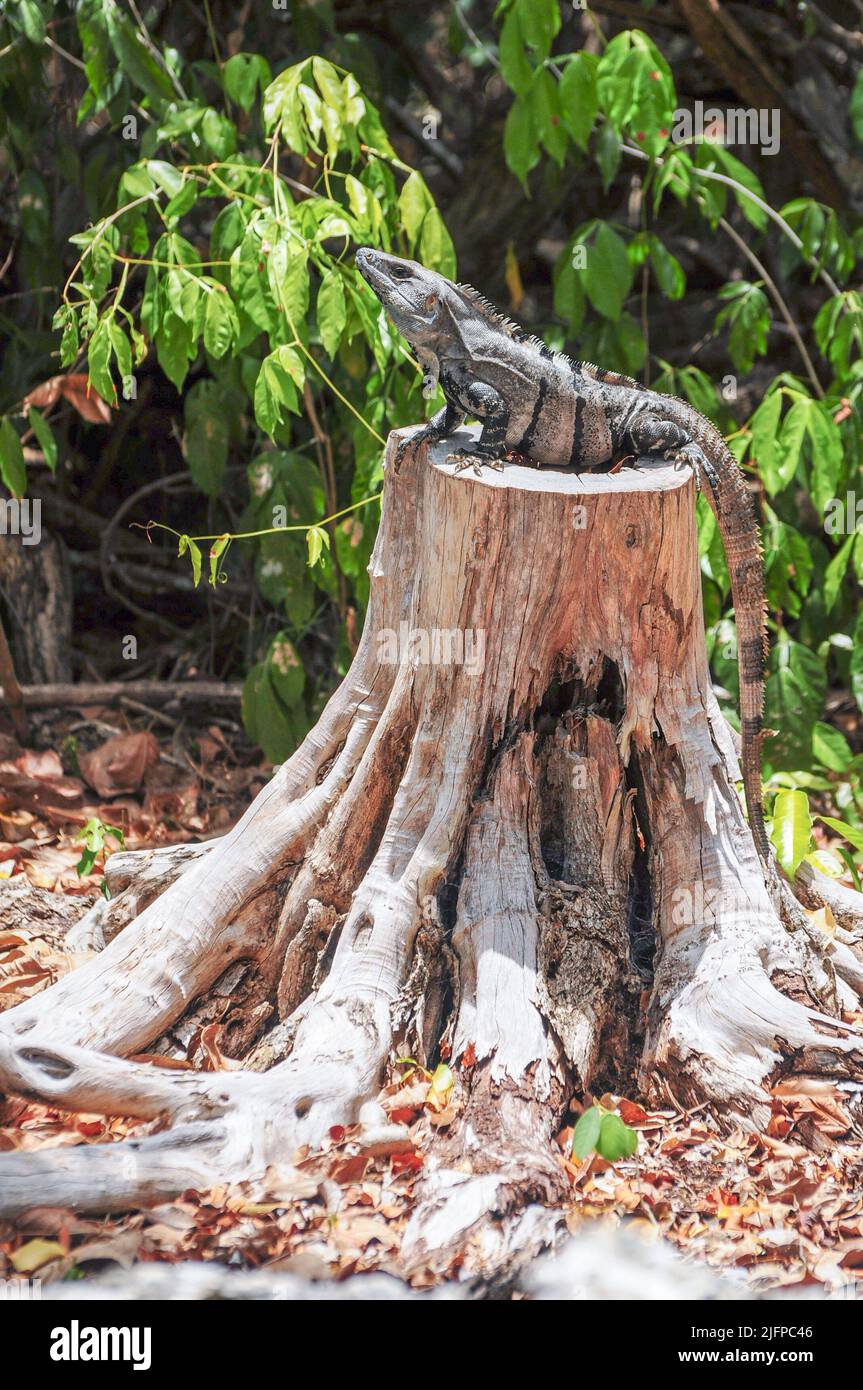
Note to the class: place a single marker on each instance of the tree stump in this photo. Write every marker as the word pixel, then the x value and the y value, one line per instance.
pixel 515 820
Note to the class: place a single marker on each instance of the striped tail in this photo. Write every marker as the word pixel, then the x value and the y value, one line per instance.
pixel 738 526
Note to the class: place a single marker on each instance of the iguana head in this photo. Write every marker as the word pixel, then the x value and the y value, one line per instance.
pixel 422 304
pixel 430 311
pixel 414 298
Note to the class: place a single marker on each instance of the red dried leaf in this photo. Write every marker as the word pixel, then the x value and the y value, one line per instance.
pixel 407 1163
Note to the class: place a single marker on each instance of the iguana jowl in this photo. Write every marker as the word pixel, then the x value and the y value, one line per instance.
pixel 538 403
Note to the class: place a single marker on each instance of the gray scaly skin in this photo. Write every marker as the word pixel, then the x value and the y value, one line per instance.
pixel 538 403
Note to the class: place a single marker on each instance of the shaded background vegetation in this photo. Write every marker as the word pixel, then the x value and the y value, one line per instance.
pixel 246 370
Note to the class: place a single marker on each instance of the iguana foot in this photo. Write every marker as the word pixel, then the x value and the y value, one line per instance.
pixel 466 458
pixel 424 436
pixel 695 457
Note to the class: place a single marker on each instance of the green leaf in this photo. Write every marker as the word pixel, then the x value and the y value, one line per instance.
pixel 586 1132
pixel 836 570
pixel 217 549
pixel 187 544
pixel 747 314
pixel 30 19
pixel 272 723
pixel 45 435
pixel 98 362
pixel 121 349
pixel 764 449
pixel 92 836
pixel 288 276
pixel 608 153
pixel 520 141
pixel 136 60
pixel 735 169
pixel 436 249
pixel 275 389
pixel 206 436
pixel 286 670
pixel 221 324
pixel 66 319
pixel 791 439
pixel 826 446
pixel 667 269
pixel 317 539
pixel 169 179
pixel 329 84
pixel 831 747
pixel 242 75
pixel 414 202
pixel 608 275
pixel 515 67
pixel 13 470
pixel 568 290
pixel 616 1140
pixel 543 100
pixel 826 861
pixel 177 207
pixel 219 134
pixel 332 312
pixel 540 22
pixel 636 89
pixel 174 348
pixel 282 105
pixel 791 831
pixel 579 100
pixel 853 834
pixel 794 699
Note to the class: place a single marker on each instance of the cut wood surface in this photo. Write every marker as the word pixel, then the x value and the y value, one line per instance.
pixel 515 821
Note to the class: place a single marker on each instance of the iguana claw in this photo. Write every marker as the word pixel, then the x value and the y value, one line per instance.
pixel 695 457
pixel 466 458
pixel 412 442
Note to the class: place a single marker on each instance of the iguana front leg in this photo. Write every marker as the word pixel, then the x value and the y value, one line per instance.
pixel 487 405
pixel 447 419
pixel 650 434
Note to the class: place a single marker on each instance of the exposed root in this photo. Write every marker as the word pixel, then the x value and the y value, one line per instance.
pixel 496 1155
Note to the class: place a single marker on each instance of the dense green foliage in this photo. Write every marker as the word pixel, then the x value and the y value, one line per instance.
pixel 221 203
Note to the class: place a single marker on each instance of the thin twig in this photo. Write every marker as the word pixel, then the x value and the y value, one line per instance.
pixel 64 53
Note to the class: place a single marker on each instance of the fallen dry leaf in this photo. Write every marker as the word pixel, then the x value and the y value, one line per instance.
pixel 120 764
pixel 75 388
pixel 34 1254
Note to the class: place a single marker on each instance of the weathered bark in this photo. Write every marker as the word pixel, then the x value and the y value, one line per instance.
pixel 521 794
pixel 36 589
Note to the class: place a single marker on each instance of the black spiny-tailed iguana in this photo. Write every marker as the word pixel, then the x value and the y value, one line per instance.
pixel 538 403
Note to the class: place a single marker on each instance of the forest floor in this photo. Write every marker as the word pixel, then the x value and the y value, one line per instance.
pixel 782 1209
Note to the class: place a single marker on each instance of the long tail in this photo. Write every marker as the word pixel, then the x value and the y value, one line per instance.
pixel 738 526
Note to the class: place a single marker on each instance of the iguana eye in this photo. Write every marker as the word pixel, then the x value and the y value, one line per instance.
pixel 400 272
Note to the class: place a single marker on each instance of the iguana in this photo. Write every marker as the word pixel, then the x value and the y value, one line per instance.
pixel 538 403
